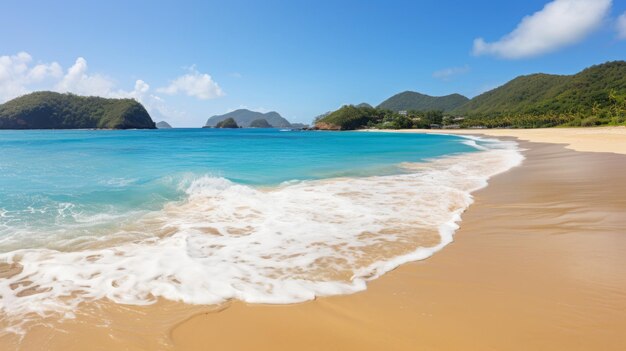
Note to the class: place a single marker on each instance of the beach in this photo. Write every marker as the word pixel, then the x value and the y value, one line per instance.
pixel 538 263
pixel 600 139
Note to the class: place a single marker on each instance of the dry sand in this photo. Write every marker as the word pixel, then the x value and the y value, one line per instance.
pixel 538 264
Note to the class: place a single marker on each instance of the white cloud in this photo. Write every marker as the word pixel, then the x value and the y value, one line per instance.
pixel 194 83
pixel 621 26
pixel 558 24
pixel 156 106
pixel 78 81
pixel 447 74
pixel 16 74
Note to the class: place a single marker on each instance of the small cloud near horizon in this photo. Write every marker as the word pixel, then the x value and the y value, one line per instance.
pixel 195 84
pixel 448 74
pixel 621 26
pixel 559 24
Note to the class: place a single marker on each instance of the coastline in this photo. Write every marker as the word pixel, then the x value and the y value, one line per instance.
pixel 537 264
pixel 596 139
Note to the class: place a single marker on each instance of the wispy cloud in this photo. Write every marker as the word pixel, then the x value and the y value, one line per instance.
pixel 448 74
pixel 194 83
pixel 621 26
pixel 560 23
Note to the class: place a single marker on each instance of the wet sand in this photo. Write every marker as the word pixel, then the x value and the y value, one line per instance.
pixel 539 263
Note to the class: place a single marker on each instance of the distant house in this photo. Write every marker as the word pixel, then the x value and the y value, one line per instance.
pixel 402 113
pixel 435 126
pixel 458 119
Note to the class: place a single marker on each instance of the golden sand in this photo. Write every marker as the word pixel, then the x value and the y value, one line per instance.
pixel 538 264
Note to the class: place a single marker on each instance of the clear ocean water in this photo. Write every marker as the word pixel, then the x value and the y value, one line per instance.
pixel 206 215
pixel 43 173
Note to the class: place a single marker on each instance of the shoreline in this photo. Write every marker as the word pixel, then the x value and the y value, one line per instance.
pixel 595 139
pixel 533 266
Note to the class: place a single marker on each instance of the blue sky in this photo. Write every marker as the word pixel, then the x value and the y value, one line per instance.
pixel 188 60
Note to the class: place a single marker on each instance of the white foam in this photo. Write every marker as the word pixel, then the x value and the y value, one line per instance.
pixel 281 245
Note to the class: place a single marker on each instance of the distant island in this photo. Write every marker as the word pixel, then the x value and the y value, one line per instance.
pixel 227 123
pixel 163 125
pixel 595 96
pixel 50 110
pixel 244 119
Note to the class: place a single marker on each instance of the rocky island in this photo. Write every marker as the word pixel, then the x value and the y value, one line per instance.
pixel 163 125
pixel 244 118
pixel 227 123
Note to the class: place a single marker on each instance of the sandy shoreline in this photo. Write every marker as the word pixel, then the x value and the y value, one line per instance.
pixel 538 264
pixel 599 139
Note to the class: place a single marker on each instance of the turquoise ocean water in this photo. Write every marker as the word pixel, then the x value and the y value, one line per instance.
pixel 56 178
pixel 207 215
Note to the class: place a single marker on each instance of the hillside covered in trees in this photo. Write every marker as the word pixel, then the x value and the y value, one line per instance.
pixel 227 123
pixel 50 110
pixel 595 96
pixel 410 100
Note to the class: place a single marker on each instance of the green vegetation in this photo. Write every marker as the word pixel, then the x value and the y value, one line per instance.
pixel 49 110
pixel 410 100
pixel 595 96
pixel 227 123
pixel 351 117
pixel 260 123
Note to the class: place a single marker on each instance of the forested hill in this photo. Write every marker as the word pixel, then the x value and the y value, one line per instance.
pixel 410 100
pixel 50 110
pixel 597 95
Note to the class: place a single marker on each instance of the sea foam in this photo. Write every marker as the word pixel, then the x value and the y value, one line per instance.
pixel 278 245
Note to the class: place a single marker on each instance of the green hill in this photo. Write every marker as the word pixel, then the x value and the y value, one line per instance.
pixel 410 100
pixel 227 123
pixel 49 110
pixel 597 95
pixel 260 123
pixel 244 117
pixel 346 118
